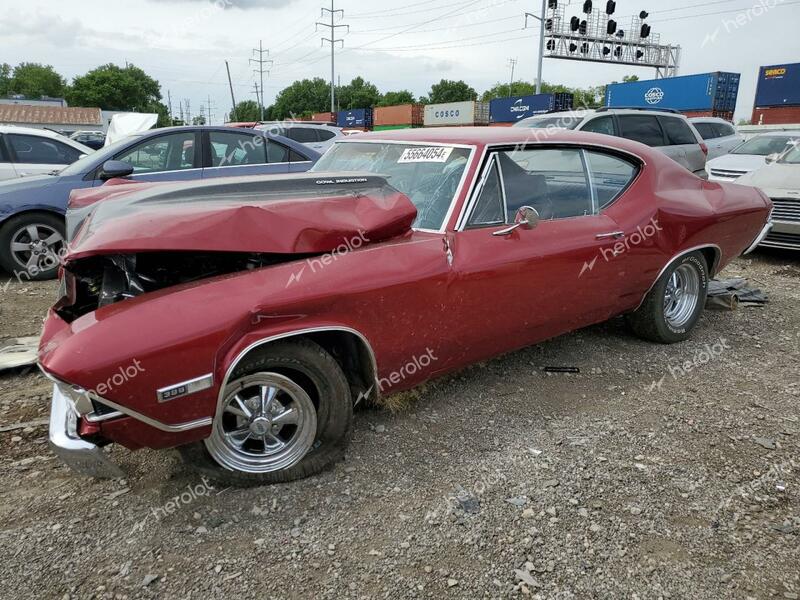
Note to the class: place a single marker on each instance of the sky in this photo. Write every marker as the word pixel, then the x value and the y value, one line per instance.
pixel 395 44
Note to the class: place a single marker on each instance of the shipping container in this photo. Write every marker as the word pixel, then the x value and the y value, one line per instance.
pixel 501 124
pixel 457 113
pixel 509 110
pixel 719 114
pixel 393 127
pixel 324 117
pixel 358 117
pixel 778 85
pixel 708 91
pixel 776 115
pixel 402 114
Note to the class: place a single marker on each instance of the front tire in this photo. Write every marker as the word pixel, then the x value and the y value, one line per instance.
pixel 285 415
pixel 32 246
pixel 673 307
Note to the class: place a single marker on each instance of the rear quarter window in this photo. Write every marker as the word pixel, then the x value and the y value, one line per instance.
pixel 678 131
pixel 706 130
pixel 641 128
pixel 303 135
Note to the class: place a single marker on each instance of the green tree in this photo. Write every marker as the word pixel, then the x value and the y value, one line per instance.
pixel 630 78
pixel 357 94
pixel 450 91
pixel 245 112
pixel 5 79
pixel 33 80
pixel 395 98
pixel 302 98
pixel 500 90
pixel 199 120
pixel 115 88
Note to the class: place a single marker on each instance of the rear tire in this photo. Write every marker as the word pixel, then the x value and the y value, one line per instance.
pixel 302 431
pixel 32 246
pixel 673 307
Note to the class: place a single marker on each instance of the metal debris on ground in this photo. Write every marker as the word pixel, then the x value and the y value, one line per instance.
pixel 562 370
pixel 729 294
pixel 18 352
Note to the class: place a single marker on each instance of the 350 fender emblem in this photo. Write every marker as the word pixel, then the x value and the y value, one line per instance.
pixel 185 388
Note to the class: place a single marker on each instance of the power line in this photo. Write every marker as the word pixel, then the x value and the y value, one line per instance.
pixel 260 61
pixel 721 12
pixel 333 26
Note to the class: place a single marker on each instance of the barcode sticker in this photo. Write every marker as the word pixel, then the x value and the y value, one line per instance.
pixel 434 154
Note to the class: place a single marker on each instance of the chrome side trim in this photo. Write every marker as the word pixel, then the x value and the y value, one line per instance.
pixel 185 388
pixel 179 428
pixel 682 253
pixel 760 238
pixel 95 418
pixel 296 333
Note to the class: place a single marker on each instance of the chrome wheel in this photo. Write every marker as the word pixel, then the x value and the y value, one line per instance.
pixel 682 295
pixel 267 423
pixel 37 247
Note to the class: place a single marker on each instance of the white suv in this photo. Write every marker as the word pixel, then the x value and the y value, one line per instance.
pixel 720 136
pixel 667 131
pixel 25 151
pixel 317 135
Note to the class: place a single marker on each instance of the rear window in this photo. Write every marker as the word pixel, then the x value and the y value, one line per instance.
pixel 303 135
pixel 724 130
pixel 641 128
pixel 678 131
pixel 706 130
pixel 325 135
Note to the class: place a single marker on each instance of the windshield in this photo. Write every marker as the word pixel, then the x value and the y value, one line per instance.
pixel 568 121
pixel 428 174
pixel 89 161
pixel 764 145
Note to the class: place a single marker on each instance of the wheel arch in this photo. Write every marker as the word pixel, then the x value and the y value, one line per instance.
pixel 350 348
pixel 711 252
pixel 42 209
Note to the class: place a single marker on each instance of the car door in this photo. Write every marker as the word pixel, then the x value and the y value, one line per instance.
pixel 727 138
pixel 7 170
pixel 39 155
pixel 682 139
pixel 173 156
pixel 646 129
pixel 237 153
pixel 711 137
pixel 515 287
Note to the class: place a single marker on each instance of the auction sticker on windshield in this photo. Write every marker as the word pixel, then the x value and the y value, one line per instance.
pixel 434 154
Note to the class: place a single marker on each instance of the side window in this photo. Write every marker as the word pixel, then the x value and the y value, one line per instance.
pixel 553 181
pixel 235 149
pixel 724 130
pixel 325 135
pixel 600 125
pixel 610 175
pixel 641 128
pixel 706 130
pixel 303 135
pixel 490 208
pixel 3 157
pixel 277 153
pixel 297 157
pixel 36 150
pixel 172 152
pixel 678 131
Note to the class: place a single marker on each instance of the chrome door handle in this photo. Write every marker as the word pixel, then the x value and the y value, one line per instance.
pixel 614 234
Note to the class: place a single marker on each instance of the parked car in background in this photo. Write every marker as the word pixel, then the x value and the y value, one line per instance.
pixel 93 139
pixel 26 151
pixel 720 136
pixel 780 180
pixel 32 209
pixel 315 135
pixel 669 132
pixel 254 313
pixel 751 155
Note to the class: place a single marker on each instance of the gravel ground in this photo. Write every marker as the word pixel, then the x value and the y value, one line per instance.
pixel 630 480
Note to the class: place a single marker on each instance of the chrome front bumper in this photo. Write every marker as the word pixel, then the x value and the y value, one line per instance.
pixel 81 456
pixel 760 238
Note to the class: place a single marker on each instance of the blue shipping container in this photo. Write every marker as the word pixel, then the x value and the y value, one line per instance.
pixel 510 110
pixel 778 85
pixel 706 92
pixel 359 117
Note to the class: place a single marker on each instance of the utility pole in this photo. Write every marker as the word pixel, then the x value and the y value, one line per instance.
pixel 208 107
pixel 230 84
pixel 188 112
pixel 541 20
pixel 261 62
pixel 169 107
pixel 256 92
pixel 333 41
pixel 512 62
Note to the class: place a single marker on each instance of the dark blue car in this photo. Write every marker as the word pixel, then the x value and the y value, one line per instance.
pixel 32 208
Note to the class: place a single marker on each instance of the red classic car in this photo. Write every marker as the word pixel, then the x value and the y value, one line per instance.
pixel 241 320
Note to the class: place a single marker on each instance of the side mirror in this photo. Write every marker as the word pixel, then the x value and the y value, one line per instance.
pixel 527 217
pixel 771 158
pixel 115 168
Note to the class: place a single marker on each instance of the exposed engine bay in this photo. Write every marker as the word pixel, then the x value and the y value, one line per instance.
pixel 98 281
